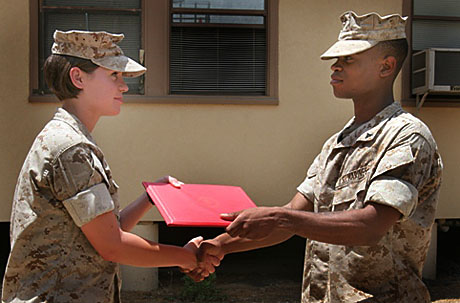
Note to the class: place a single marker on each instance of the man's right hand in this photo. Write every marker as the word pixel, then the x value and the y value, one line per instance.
pixel 209 255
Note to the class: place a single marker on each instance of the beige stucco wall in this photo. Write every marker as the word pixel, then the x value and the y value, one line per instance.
pixel 264 149
pixel 19 120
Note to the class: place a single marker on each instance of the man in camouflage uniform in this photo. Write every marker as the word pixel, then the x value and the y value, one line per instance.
pixel 67 232
pixel 368 202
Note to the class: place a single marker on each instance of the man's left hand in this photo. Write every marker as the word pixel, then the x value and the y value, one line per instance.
pixel 254 223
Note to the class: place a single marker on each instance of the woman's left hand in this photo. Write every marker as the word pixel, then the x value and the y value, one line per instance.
pixel 171 180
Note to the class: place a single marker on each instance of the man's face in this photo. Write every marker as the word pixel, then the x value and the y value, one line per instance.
pixel 356 75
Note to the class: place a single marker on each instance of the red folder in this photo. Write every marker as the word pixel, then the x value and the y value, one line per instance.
pixel 197 204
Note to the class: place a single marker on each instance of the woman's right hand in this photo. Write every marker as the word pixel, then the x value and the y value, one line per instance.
pixel 192 249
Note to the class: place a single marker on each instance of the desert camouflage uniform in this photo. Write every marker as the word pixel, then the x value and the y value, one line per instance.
pixel 64 183
pixel 391 160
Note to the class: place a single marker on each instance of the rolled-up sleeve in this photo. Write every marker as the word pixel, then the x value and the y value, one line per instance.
pixel 393 192
pixel 88 204
pixel 400 174
pixel 306 188
pixel 80 183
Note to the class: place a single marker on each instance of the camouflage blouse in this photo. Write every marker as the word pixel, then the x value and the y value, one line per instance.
pixel 391 160
pixel 64 183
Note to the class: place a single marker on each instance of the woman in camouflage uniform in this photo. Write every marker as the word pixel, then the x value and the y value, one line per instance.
pixel 67 232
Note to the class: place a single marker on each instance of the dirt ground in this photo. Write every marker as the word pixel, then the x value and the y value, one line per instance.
pixel 267 275
pixel 273 275
pixel 259 288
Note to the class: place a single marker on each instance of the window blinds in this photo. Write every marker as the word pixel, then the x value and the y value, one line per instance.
pixel 110 16
pixel 218 60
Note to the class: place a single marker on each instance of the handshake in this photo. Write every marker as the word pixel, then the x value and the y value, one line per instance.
pixel 206 256
pixel 251 228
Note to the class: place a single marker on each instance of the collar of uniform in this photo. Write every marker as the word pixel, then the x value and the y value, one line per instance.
pixel 73 121
pixel 367 131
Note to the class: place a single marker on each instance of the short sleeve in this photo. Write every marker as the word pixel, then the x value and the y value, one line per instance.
pixel 88 204
pixel 393 192
pixel 306 187
pixel 401 173
pixel 78 180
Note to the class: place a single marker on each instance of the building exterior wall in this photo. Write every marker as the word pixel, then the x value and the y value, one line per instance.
pixel 264 149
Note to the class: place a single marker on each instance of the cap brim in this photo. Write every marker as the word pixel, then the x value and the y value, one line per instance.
pixel 126 65
pixel 346 48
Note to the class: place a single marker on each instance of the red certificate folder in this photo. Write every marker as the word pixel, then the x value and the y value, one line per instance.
pixel 197 204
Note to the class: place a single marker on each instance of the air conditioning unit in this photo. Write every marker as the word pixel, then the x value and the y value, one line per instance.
pixel 436 71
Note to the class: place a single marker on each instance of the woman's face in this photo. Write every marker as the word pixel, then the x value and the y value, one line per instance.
pixel 104 91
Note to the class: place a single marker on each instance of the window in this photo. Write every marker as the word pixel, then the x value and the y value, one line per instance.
pixel 433 24
pixel 195 51
pixel 218 47
pixel 111 16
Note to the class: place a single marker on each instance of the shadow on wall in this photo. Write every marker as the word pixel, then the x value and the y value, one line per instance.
pixel 259 267
pixel 4 246
pixel 447 283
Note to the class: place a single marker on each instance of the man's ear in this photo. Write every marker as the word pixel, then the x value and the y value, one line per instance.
pixel 388 67
pixel 76 76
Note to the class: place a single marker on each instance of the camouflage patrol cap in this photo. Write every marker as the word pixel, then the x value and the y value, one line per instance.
pixel 99 47
pixel 360 33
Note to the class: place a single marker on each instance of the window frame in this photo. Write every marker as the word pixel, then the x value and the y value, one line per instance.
pixel 407 98
pixel 156 16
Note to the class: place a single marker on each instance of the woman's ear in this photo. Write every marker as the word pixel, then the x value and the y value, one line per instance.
pixel 388 67
pixel 76 76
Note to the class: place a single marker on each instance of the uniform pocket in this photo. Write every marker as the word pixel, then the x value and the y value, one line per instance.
pixel 114 188
pixel 394 158
pixel 350 196
pixel 100 169
pixel 106 174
